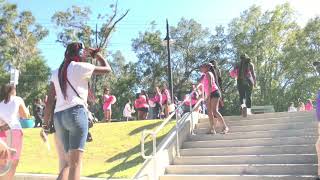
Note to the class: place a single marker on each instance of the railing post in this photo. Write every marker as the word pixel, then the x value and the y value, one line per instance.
pixel 177 138
pixel 154 154
pixel 191 113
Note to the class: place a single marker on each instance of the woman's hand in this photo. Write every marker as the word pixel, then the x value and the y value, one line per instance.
pixel 92 52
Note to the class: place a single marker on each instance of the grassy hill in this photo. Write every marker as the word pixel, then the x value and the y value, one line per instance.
pixel 114 152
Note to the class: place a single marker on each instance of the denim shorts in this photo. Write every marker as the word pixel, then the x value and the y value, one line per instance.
pixel 72 127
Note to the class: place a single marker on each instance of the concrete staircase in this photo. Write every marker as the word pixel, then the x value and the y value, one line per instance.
pixel 261 147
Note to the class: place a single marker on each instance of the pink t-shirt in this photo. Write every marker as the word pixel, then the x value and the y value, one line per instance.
pixel 165 96
pixel 205 82
pixel 309 107
pixel 141 102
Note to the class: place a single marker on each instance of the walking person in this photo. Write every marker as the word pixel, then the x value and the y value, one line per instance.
pixel 246 80
pixel 12 108
pixel 38 112
pixel 69 86
pixel 213 95
pixel 218 79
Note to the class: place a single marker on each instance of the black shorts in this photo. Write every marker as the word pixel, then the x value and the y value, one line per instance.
pixel 143 109
pixel 215 94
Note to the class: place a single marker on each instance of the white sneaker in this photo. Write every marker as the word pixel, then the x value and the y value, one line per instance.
pixel 249 111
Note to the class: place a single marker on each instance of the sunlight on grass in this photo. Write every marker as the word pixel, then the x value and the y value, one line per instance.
pixel 114 152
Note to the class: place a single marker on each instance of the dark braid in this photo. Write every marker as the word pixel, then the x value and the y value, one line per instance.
pixel 72 53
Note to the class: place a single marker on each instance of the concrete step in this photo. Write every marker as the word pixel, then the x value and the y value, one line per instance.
pixel 235 177
pixel 256 134
pixel 263 127
pixel 271 115
pixel 205 122
pixel 253 150
pixel 249 169
pixel 252 142
pixel 247 159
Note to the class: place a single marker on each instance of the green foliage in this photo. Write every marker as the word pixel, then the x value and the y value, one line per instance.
pixel 280 49
pixel 18 46
pixel 33 80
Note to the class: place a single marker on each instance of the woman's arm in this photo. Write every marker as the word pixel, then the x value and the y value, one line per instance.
pixel 49 105
pixel 23 111
pixel 103 68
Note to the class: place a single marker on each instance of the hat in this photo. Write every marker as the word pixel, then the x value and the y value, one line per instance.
pixel 316 63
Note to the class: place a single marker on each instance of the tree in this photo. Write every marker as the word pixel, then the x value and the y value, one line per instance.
pixel 19 35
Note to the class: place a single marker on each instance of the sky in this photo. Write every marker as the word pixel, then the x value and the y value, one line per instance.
pixel 209 13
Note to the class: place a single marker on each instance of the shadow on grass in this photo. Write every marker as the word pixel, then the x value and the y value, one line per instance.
pixel 126 163
pixel 149 126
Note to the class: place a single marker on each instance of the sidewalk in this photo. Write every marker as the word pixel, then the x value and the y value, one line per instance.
pixel 25 176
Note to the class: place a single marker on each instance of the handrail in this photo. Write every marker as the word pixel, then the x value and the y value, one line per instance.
pixel 154 133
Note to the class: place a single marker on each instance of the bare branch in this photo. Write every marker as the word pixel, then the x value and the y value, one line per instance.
pixel 109 30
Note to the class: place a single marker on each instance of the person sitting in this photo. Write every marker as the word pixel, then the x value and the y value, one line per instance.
pixel 309 105
pixel 292 108
pixel 301 107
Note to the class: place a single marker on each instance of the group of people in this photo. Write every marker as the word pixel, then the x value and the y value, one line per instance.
pixel 67 109
pixel 302 107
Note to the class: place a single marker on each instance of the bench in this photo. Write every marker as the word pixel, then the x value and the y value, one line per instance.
pixel 262 109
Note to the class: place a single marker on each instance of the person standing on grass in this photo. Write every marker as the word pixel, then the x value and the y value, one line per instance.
pixel 12 108
pixel 246 80
pixel 38 112
pixel 156 100
pixel 108 100
pixel 166 99
pixel 213 95
pixel 70 114
pixel 142 106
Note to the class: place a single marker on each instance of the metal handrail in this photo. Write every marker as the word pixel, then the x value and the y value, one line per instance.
pixel 154 133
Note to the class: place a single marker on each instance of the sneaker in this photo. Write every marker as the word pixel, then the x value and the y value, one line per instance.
pixel 249 111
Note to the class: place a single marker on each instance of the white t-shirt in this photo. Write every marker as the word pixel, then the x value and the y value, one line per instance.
pixel 78 74
pixel 10 112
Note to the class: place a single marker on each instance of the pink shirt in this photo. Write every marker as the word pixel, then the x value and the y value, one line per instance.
pixel 205 82
pixel 309 107
pixel 165 96
pixel 141 102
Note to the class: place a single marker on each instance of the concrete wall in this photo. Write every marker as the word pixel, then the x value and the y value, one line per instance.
pixel 166 150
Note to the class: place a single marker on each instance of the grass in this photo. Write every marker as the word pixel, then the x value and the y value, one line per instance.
pixel 114 152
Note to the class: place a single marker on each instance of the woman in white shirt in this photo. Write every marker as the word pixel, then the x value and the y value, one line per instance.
pixel 12 108
pixel 69 86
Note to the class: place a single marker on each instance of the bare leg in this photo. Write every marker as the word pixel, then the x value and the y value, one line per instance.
pixel 210 114
pixel 75 164
pixel 215 107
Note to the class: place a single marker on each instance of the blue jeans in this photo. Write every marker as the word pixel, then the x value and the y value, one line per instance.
pixel 72 127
